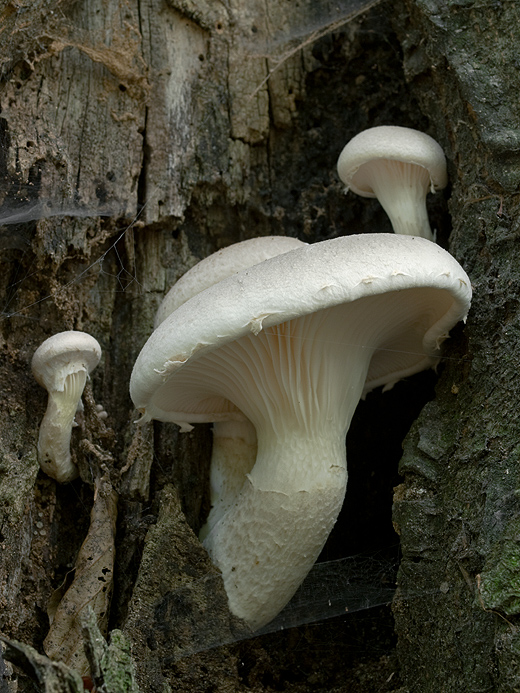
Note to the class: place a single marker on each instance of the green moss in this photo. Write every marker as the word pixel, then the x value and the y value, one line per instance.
pixel 500 579
pixel 117 665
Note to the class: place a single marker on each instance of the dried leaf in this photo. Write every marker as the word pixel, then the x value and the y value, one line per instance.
pixel 91 586
pixel 58 594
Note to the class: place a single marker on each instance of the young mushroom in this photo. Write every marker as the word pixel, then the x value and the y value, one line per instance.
pixel 293 343
pixel 399 166
pixel 61 365
pixel 234 441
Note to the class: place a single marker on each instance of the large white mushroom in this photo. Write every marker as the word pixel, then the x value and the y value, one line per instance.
pixel 293 343
pixel 61 365
pixel 399 166
pixel 234 440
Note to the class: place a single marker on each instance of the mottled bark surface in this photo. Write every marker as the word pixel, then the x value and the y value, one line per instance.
pixel 139 136
pixel 458 508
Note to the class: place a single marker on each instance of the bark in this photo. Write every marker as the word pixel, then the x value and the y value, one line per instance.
pixel 139 136
pixel 458 508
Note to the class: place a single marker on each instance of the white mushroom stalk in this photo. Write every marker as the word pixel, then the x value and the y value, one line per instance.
pixel 293 343
pixel 233 456
pixel 399 166
pixel 234 440
pixel 61 365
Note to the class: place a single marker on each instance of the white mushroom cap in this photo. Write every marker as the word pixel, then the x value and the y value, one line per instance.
pixel 210 271
pixel 62 354
pixel 61 365
pixel 221 265
pixel 399 166
pixel 293 342
pixel 297 283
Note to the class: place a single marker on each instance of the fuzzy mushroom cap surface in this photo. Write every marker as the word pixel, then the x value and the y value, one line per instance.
pixel 394 143
pixel 168 385
pixel 62 354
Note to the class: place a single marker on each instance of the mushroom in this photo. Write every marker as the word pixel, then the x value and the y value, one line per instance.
pixel 293 343
pixel 399 166
pixel 234 441
pixel 61 365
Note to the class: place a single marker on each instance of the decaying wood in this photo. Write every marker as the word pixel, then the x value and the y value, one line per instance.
pixel 48 676
pixel 459 507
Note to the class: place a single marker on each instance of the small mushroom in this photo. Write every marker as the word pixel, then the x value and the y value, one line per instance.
pixel 61 365
pixel 399 166
pixel 234 441
pixel 293 343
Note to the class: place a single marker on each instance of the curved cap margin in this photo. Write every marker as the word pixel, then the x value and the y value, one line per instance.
pixel 395 143
pixel 62 354
pixel 297 283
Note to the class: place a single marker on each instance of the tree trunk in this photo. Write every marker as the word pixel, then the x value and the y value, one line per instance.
pixel 136 138
pixel 458 509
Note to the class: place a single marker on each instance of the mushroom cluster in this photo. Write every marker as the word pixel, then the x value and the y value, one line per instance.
pixel 275 341
pixel 288 346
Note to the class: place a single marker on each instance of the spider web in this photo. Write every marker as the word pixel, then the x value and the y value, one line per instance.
pixel 124 276
pixel 331 589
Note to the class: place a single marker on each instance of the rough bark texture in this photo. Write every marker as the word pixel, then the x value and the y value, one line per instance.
pixel 138 136
pixel 458 509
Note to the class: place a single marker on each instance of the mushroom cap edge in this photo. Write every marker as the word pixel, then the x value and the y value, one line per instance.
pixel 220 265
pixel 344 269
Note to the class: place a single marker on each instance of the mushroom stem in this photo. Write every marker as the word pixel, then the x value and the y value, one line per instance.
pixel 232 458
pixel 267 543
pixel 56 428
pixel 270 537
pixel 401 189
